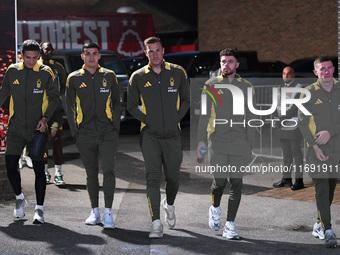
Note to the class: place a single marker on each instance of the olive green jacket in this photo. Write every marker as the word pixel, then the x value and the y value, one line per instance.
pixel 92 102
pixel 33 94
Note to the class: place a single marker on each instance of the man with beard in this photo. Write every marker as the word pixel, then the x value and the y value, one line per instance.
pixel 229 144
pixel 290 137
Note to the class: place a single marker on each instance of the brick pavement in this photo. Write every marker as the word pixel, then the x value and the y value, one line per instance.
pixel 306 194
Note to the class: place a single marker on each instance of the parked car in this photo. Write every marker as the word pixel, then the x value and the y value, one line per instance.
pixel 134 63
pixel 72 61
pixel 272 66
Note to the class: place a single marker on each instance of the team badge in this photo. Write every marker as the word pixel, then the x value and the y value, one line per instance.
pixel 172 82
pixel 104 82
pixel 38 83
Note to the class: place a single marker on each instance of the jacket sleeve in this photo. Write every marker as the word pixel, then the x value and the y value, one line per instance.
pixel 305 123
pixel 62 78
pixel 52 93
pixel 133 99
pixel 184 92
pixel 203 122
pixel 70 97
pixel 5 89
pixel 115 103
pixel 334 130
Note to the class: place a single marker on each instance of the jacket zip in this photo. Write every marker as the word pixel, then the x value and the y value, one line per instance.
pixel 25 96
pixel 94 98
pixel 160 96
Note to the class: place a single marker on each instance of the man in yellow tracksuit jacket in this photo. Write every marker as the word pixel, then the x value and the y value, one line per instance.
pixel 34 98
pixel 93 112
pixel 230 140
pixel 163 89
pixel 321 130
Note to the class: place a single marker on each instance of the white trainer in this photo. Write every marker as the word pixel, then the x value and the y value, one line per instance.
pixel 58 180
pixel 156 229
pixel 38 217
pixel 94 217
pixel 318 231
pixel 170 217
pixel 214 218
pixel 20 163
pixel 230 231
pixel 108 219
pixel 28 160
pixel 19 211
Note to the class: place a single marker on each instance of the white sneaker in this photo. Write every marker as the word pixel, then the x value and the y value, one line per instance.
pixel 38 217
pixel 230 231
pixel 170 217
pixel 318 231
pixel 108 219
pixel 29 162
pixel 156 229
pixel 48 177
pixel 19 211
pixel 58 180
pixel 94 217
pixel 20 163
pixel 214 218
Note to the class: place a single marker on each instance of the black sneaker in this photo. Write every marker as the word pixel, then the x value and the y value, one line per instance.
pixel 283 183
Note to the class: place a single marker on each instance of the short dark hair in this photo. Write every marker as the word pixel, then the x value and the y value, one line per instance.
pixel 152 40
pixel 321 59
pixel 47 42
pixel 89 46
pixel 30 45
pixel 230 52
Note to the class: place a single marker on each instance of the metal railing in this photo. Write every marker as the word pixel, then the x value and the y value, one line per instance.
pixel 267 146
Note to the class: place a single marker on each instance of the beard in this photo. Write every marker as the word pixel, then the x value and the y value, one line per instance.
pixel 228 72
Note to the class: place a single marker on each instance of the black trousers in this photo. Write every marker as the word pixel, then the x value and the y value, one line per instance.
pixel 292 154
pixel 15 179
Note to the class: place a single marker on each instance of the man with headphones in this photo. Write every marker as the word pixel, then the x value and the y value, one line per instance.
pixel 55 123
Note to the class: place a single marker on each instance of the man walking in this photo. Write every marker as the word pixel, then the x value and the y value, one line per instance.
pixel 55 124
pixel 229 143
pixel 34 98
pixel 92 102
pixel 321 130
pixel 164 91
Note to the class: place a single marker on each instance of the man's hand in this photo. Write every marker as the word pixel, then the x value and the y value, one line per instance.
pixel 323 137
pixel 199 146
pixel 42 125
pixel 319 154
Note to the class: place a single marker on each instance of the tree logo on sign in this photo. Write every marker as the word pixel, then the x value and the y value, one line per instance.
pixel 130 44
